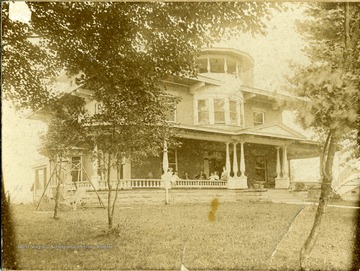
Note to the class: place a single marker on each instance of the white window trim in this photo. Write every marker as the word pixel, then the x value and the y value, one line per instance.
pixel 99 106
pixel 211 110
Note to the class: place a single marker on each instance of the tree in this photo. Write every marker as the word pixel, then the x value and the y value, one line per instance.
pixel 331 82
pixel 65 133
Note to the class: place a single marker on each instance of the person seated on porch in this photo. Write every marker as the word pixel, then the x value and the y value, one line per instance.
pixel 214 176
pixel 150 175
pixel 201 176
pixel 186 175
pixel 174 178
pixel 224 174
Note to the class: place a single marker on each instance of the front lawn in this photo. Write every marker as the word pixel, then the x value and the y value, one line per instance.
pixel 243 236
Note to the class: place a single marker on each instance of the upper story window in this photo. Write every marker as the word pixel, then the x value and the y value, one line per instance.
pixel 233 112
pixel 171 114
pixel 203 111
pixel 219 110
pixel 258 117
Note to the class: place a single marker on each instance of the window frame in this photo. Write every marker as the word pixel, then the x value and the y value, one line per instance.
pixel 263 117
pixel 206 100
pixel 220 111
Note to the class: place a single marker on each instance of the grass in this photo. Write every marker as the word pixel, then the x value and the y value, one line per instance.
pixel 242 236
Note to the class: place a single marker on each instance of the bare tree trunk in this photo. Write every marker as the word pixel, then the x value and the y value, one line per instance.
pixel 328 158
pixel 57 197
pixel 110 217
pixel 118 174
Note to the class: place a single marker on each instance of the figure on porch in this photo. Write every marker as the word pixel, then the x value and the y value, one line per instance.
pixel 174 178
pixel 166 178
pixel 224 174
pixel 214 176
pixel 186 175
pixel 201 176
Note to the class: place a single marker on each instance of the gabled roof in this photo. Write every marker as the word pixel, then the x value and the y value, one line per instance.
pixel 274 130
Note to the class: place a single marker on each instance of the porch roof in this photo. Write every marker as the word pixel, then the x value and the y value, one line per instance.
pixel 275 130
pixel 276 134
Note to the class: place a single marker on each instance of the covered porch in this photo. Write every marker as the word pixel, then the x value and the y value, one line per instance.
pixel 255 158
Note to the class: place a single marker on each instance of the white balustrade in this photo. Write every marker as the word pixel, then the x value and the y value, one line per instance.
pixel 149 184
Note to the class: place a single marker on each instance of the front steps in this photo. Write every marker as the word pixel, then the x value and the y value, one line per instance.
pixel 193 196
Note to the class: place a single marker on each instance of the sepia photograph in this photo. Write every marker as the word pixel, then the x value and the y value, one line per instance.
pixel 178 135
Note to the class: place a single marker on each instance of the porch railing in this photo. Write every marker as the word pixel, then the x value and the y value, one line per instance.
pixel 200 184
pixel 148 183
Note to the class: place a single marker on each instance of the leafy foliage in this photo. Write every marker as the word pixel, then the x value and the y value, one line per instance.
pixel 25 65
pixel 66 132
pixel 331 83
pixel 332 80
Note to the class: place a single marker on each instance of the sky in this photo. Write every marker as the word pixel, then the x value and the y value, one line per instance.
pixel 271 53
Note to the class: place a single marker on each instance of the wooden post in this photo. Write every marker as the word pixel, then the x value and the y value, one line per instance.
pixel 228 165
pixel 242 160
pixel 166 175
pixel 278 166
pixel 235 162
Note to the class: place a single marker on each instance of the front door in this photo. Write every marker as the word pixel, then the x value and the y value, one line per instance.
pixel 260 169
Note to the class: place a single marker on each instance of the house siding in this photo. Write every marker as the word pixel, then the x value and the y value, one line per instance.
pixel 271 115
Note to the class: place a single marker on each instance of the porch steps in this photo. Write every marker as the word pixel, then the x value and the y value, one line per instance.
pixel 192 196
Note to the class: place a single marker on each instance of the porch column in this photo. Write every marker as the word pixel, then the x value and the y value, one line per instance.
pixel 278 166
pixel 242 160
pixel 95 178
pixel 238 182
pixel 225 65
pixel 165 178
pixel 227 165
pixel 165 158
pixel 208 65
pixel 282 182
pixel 235 163
pixel 285 164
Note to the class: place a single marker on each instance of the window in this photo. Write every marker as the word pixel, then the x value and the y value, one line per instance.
pixel 40 178
pixel 203 112
pixel 76 169
pixel 219 111
pixel 171 114
pixel 233 112
pixel 259 118
pixel 99 108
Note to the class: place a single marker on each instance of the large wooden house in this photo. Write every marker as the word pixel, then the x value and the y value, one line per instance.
pixel 224 122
